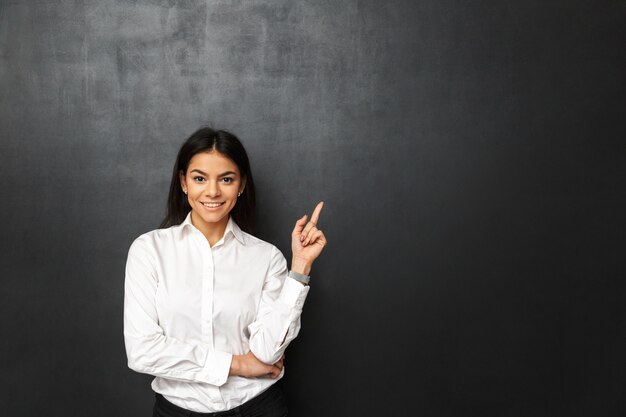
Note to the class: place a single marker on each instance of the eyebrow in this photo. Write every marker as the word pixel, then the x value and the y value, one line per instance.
pixel 220 175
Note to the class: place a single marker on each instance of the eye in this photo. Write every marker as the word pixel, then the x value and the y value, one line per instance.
pixel 196 178
pixel 229 179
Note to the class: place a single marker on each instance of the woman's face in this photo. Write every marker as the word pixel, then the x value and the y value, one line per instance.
pixel 211 178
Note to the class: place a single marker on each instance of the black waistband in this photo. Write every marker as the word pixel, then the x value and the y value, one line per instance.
pixel 162 402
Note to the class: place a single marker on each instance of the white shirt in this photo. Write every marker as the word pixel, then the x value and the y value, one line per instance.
pixel 188 307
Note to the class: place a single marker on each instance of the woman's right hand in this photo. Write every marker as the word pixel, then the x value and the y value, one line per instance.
pixel 249 366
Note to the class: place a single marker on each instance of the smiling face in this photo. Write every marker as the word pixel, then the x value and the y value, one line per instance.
pixel 211 178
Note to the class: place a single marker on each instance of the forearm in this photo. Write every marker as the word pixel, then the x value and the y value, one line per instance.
pixel 250 366
pixel 278 321
pixel 301 266
pixel 173 359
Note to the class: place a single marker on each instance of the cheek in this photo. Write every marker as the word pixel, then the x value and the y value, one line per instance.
pixel 195 190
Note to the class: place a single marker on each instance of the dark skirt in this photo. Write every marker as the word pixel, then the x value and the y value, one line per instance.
pixel 271 403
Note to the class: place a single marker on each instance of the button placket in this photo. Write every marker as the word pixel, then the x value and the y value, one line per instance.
pixel 216 247
pixel 206 319
pixel 207 293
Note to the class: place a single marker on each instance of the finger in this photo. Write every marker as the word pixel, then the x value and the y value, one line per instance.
pixel 321 240
pixel 313 222
pixel 316 213
pixel 310 235
pixel 273 371
pixel 305 232
pixel 317 237
pixel 299 225
pixel 314 218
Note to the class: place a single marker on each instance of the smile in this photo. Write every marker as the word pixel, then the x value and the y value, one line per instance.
pixel 212 205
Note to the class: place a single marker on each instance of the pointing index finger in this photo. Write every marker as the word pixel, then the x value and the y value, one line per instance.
pixel 316 213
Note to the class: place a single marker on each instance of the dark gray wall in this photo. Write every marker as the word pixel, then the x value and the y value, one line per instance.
pixel 471 156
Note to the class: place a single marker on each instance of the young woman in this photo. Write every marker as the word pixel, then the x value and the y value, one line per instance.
pixel 209 308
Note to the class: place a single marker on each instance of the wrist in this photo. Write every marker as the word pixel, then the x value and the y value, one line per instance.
pixel 235 366
pixel 301 266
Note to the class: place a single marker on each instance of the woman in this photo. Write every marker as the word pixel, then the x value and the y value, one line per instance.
pixel 209 308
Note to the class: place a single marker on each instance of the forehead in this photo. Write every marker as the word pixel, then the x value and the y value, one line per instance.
pixel 212 163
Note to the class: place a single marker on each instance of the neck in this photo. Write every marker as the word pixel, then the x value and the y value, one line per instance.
pixel 212 231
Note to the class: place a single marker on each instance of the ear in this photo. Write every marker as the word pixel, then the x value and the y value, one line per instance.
pixel 243 184
pixel 181 176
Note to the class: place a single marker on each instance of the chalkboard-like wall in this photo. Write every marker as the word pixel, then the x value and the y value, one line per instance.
pixel 470 154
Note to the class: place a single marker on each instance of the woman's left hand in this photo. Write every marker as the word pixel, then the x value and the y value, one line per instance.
pixel 307 241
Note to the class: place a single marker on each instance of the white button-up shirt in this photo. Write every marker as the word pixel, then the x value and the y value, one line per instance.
pixel 188 307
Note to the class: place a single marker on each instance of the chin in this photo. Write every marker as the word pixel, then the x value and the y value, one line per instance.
pixel 213 217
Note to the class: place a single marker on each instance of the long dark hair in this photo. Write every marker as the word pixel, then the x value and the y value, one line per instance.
pixel 207 139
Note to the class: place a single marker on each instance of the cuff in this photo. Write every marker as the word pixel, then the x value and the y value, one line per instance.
pixel 300 277
pixel 217 367
pixel 293 293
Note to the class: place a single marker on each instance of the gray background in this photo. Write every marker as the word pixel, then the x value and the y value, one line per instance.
pixel 470 155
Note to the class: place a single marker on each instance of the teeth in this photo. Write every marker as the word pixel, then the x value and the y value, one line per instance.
pixel 212 204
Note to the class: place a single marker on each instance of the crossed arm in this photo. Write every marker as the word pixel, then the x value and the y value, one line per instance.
pixel 150 351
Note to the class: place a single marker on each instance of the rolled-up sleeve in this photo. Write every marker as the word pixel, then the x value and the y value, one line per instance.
pixel 148 349
pixel 277 321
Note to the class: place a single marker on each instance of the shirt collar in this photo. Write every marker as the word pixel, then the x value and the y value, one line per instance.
pixel 231 227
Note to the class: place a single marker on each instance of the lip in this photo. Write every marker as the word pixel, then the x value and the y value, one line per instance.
pixel 212 208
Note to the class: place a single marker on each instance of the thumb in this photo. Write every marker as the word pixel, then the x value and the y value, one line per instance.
pixel 300 225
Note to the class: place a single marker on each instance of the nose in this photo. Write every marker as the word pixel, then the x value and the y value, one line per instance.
pixel 212 189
